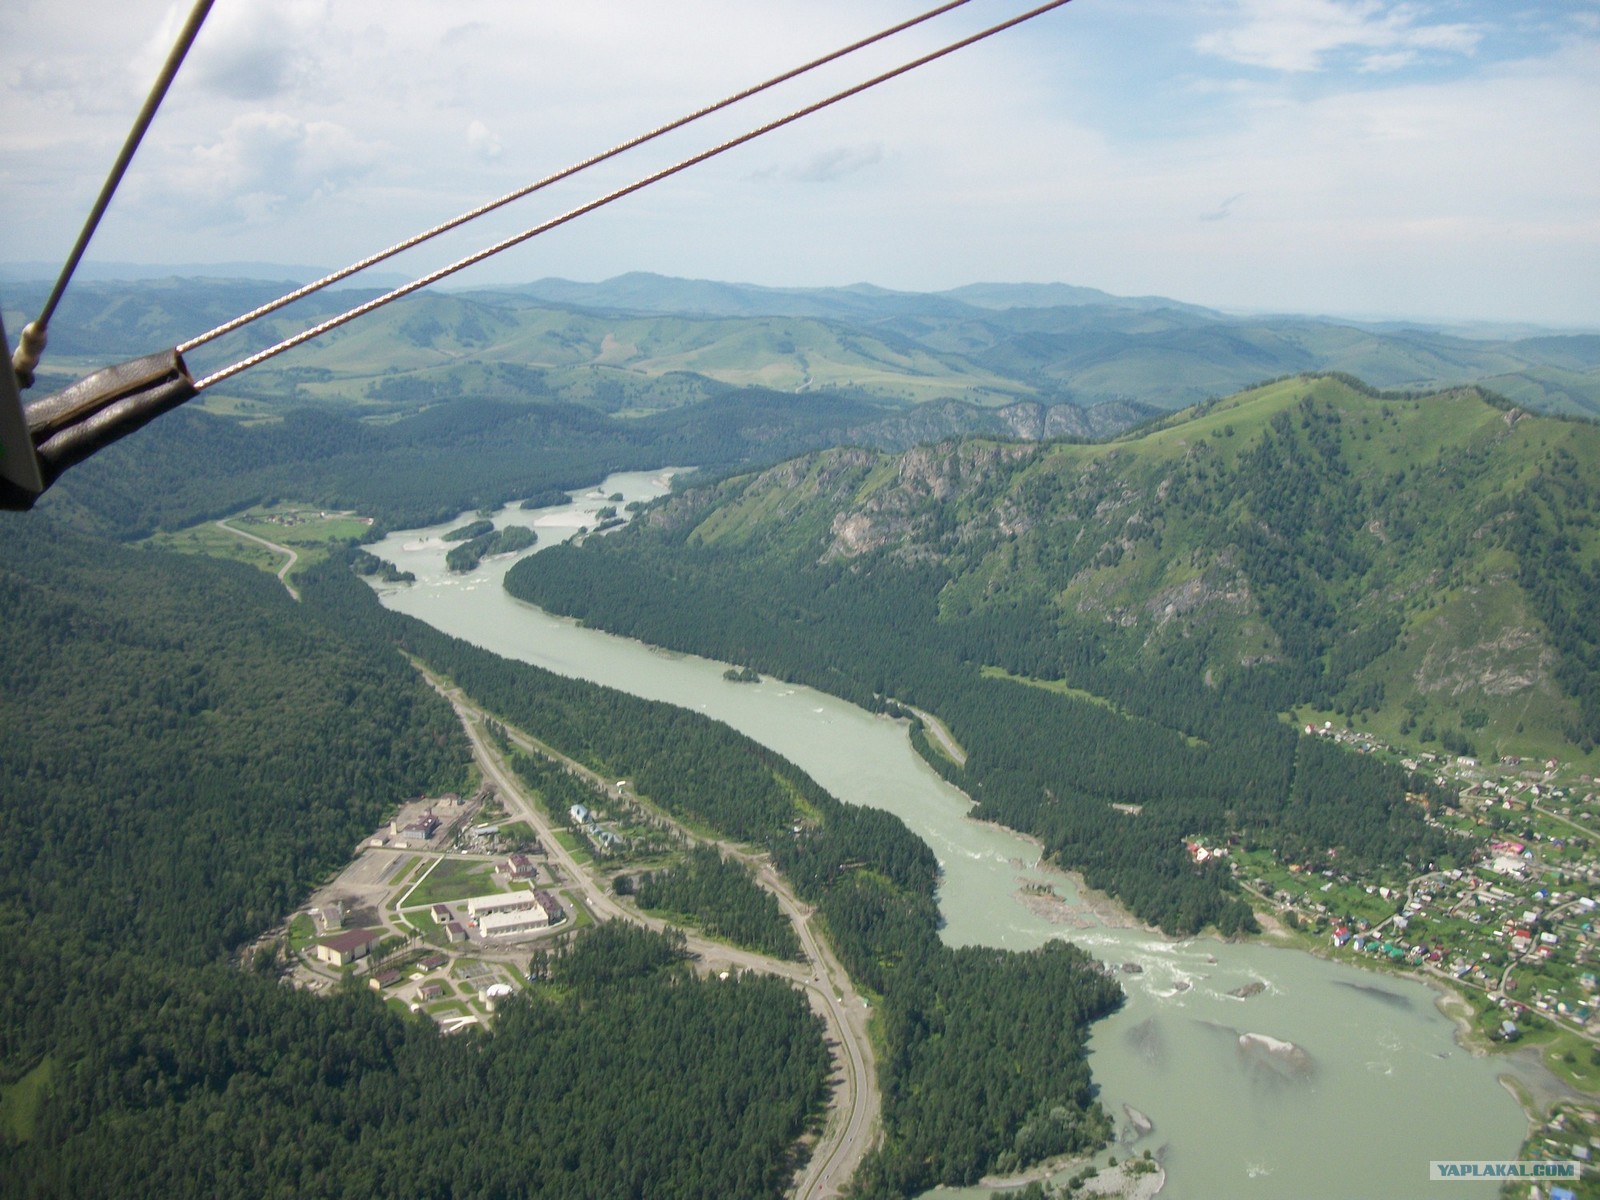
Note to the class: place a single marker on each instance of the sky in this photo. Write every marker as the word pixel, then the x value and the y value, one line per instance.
pixel 1430 159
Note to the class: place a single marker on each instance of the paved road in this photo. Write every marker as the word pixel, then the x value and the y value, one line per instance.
pixel 940 733
pixel 283 571
pixel 856 1107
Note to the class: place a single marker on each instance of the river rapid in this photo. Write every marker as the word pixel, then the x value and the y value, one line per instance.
pixel 1249 1070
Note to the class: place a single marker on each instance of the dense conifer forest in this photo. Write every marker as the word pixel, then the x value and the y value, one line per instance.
pixel 948 1118
pixel 720 895
pixel 622 1075
pixel 1124 625
pixel 184 753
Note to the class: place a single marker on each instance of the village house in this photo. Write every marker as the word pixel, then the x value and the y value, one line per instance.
pixel 384 979
pixel 517 867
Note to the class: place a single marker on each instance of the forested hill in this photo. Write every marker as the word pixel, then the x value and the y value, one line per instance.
pixel 1122 623
pixel 193 465
pixel 184 754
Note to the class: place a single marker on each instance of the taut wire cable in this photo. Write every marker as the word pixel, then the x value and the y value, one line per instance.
pixel 564 173
pixel 378 302
pixel 32 343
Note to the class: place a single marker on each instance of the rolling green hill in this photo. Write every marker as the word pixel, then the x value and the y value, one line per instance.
pixel 1270 527
pixel 1128 623
pixel 643 343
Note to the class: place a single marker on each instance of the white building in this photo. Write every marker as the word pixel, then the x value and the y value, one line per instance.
pixel 500 902
pixel 504 924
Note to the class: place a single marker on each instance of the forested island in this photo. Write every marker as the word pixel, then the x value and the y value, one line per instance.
pixel 486 542
pixel 470 530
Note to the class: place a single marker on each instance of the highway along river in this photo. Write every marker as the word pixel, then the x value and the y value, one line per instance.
pixel 1250 1070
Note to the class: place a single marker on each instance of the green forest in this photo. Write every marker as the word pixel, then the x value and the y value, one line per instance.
pixel 873 882
pixel 184 753
pixel 622 1074
pixel 1014 591
pixel 719 895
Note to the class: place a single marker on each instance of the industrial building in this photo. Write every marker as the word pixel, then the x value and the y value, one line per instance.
pixel 500 902
pixel 504 924
pixel 343 949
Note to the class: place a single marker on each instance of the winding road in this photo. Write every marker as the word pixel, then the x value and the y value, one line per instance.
pixel 855 1110
pixel 283 571
pixel 939 732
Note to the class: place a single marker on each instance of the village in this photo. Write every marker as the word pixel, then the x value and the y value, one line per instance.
pixel 1511 925
pixel 440 912
pixel 1512 919
pixel 457 902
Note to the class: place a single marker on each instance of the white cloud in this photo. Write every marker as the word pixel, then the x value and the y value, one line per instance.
pixel 1302 35
pixel 828 165
pixel 246 49
pixel 262 163
pixel 1104 145
pixel 482 141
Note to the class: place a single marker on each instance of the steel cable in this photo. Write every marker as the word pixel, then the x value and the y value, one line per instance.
pixel 572 214
pixel 565 173
pixel 32 342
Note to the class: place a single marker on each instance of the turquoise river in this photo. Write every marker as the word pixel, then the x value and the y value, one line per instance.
pixel 1372 1085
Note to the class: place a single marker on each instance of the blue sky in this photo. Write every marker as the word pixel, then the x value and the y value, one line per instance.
pixel 1435 159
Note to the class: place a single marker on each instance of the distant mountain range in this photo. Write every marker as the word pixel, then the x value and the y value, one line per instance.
pixel 92 271
pixel 644 342
pixel 642 292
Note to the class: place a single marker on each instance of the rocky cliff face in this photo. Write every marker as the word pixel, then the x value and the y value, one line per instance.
pixel 1309 524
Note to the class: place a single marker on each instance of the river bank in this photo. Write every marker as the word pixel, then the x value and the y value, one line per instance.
pixel 1384 1075
pixel 1134 1179
pixel 1524 1073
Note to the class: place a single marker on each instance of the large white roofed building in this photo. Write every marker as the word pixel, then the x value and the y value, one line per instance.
pixel 501 902
pixel 503 924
